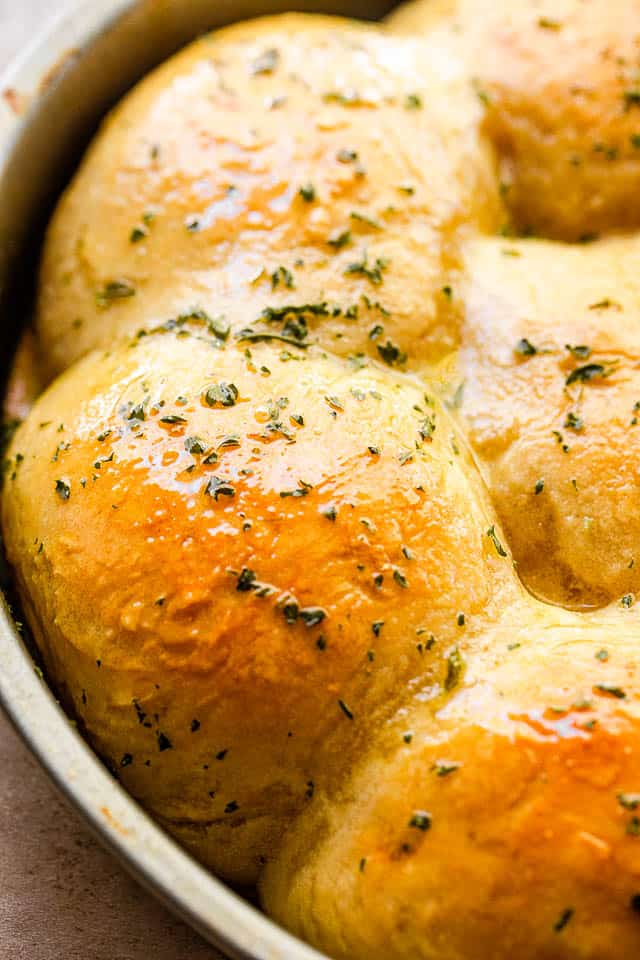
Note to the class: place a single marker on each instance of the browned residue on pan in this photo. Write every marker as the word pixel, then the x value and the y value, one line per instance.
pixel 16 101
pixel 111 820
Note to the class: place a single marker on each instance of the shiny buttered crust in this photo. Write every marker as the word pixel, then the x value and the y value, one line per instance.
pixel 234 563
pixel 295 160
pixel 559 82
pixel 331 544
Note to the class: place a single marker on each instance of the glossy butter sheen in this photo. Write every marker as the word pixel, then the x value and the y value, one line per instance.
pixel 279 535
pixel 318 481
pixel 210 160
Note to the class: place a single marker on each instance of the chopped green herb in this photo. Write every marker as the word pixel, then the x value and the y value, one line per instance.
pixel 219 327
pixel 546 24
pixel 633 827
pixel 194 445
pixel 345 709
pixel 412 101
pixel 586 373
pixel 574 422
pixel 372 271
pixel 63 489
pixel 137 234
pixel 400 578
pixel 580 351
pixel 307 192
pixel 173 419
pixel 563 919
pixel 257 336
pixel 291 610
pixel 363 218
pixel 312 616
pixel 246 580
pixel 612 690
pixel 279 314
pixel 455 666
pixel 421 820
pixel 491 533
pixel 221 394
pixel 217 487
pixel 560 440
pixel 427 428
pixel 605 304
pixel 339 239
pixel 391 354
pixel 114 290
pixel 443 768
pixel 231 440
pixel 282 276
pixel 525 348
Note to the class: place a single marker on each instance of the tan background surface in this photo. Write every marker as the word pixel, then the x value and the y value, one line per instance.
pixel 61 896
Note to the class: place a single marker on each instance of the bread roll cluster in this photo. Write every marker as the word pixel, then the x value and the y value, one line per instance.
pixel 327 525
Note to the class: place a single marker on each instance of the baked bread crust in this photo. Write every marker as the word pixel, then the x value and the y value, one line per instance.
pixel 195 191
pixel 329 543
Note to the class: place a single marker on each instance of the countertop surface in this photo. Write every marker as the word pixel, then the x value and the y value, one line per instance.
pixel 61 896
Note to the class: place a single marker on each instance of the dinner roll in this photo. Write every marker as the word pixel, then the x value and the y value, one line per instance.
pixel 296 160
pixel 498 824
pixel 235 562
pixel 550 390
pixel 559 83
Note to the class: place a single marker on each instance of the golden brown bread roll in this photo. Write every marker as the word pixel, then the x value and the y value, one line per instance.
pixel 497 823
pixel 297 160
pixel 270 578
pixel 551 396
pixel 559 82
pixel 227 555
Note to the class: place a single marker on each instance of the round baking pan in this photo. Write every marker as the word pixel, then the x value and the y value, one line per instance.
pixel 51 100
